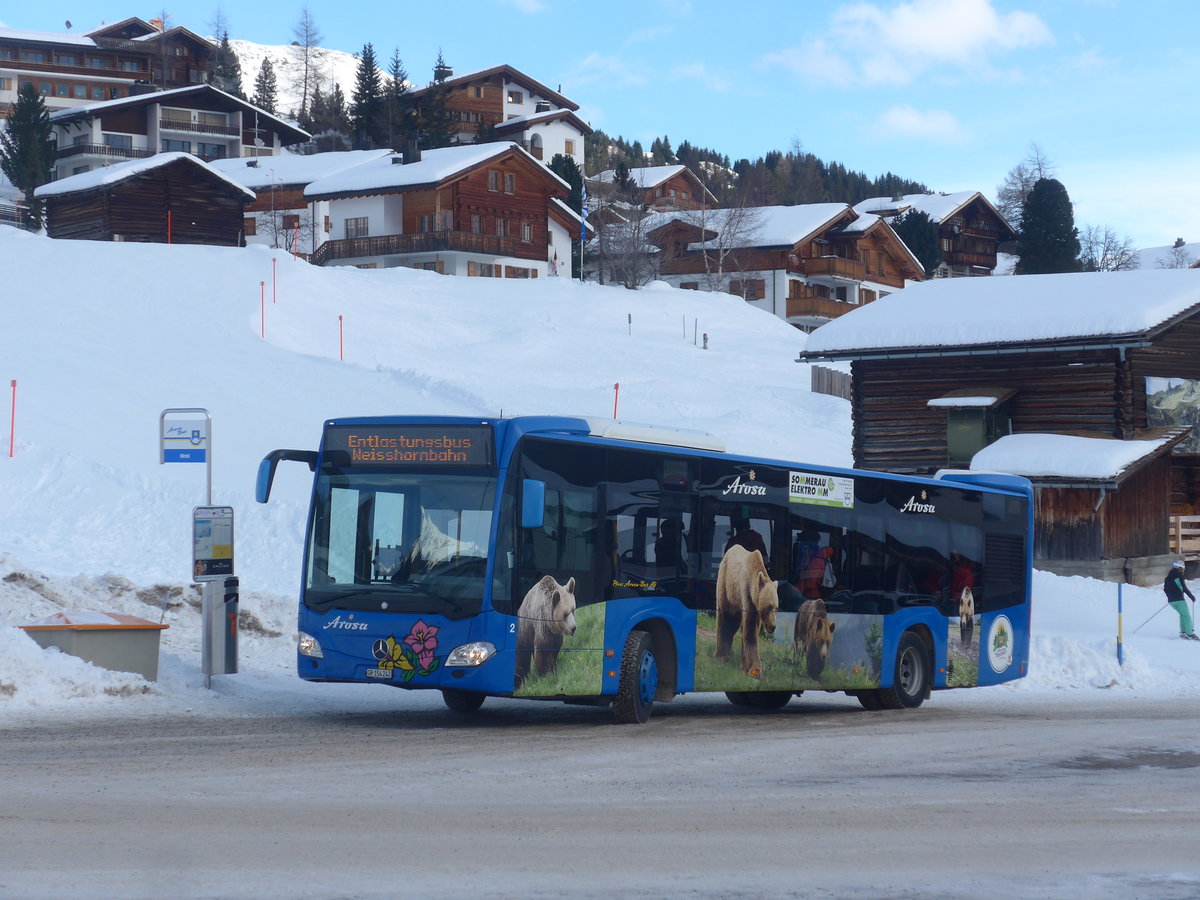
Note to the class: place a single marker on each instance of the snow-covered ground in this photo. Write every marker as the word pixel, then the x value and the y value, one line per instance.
pixel 100 338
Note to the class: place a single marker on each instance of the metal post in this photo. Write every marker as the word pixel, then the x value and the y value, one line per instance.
pixel 1120 610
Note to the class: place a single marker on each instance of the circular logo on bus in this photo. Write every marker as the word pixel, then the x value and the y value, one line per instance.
pixel 1000 644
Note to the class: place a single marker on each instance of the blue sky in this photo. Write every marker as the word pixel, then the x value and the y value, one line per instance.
pixel 951 93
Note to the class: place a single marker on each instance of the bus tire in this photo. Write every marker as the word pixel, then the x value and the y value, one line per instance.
pixel 738 698
pixel 769 699
pixel 869 699
pixel 462 701
pixel 639 680
pixel 910 681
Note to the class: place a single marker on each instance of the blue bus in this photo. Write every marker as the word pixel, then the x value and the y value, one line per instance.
pixel 608 563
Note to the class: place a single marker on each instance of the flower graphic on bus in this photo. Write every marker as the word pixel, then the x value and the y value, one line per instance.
pixel 413 656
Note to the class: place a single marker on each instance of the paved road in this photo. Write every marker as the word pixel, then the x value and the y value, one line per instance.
pixel 821 799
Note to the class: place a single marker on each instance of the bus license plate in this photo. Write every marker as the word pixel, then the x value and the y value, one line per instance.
pixel 385 674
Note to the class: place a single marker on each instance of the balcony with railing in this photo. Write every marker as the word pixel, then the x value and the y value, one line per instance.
pixel 104 150
pixel 186 125
pixel 813 306
pixel 828 267
pixel 969 258
pixel 426 242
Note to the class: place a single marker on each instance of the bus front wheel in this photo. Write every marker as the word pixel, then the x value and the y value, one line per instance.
pixel 639 680
pixel 462 701
pixel 910 682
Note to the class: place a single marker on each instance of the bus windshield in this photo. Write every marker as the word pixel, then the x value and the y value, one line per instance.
pixel 399 541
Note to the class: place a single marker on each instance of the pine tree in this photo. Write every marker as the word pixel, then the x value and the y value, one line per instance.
pixel 305 50
pixel 624 187
pixel 920 235
pixel 435 124
pixel 367 103
pixel 227 69
pixel 26 150
pixel 1048 240
pixel 266 89
pixel 399 104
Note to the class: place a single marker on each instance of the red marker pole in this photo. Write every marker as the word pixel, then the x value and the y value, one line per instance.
pixel 262 310
pixel 12 420
pixel 341 352
pixel 616 394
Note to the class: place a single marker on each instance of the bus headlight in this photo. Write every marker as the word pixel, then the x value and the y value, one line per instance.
pixel 309 646
pixel 473 654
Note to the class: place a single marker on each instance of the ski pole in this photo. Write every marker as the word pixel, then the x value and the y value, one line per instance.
pixel 1139 628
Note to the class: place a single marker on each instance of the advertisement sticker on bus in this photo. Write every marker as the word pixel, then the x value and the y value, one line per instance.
pixel 821 490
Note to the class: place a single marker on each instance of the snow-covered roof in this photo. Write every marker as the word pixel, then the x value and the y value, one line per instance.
pixel 520 123
pixel 45 37
pixel 259 172
pixel 993 312
pixel 561 206
pixel 435 166
pixel 1065 456
pixel 89 110
pixel 643 176
pixel 763 226
pixel 1161 257
pixel 510 74
pixel 939 207
pixel 86 181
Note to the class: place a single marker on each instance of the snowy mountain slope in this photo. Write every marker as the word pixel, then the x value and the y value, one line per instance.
pixel 331 66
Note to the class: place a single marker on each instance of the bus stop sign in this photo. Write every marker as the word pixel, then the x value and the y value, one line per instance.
pixel 212 543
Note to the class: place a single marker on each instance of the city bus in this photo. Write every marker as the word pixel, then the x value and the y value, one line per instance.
pixel 600 562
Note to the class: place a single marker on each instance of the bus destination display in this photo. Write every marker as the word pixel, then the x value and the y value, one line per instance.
pixel 410 445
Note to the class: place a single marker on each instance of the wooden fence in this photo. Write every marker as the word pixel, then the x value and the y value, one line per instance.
pixel 1185 535
pixel 830 381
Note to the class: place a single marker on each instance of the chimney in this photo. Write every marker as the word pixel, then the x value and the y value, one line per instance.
pixel 542 106
pixel 412 152
pixel 253 163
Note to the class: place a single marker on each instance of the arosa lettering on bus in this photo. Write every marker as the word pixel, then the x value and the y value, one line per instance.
pixel 749 488
pixel 913 505
pixel 409 445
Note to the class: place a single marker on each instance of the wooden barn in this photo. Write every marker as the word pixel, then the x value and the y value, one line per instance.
pixel 994 373
pixel 170 198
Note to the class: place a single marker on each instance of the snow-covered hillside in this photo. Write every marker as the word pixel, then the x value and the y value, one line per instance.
pixel 332 66
pixel 100 338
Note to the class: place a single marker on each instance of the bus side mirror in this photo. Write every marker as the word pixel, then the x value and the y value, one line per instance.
pixel 266 469
pixel 533 503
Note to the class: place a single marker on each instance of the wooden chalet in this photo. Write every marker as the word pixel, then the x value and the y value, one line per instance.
pixel 958 373
pixel 488 210
pixel 172 198
pixel 281 216
pixel 969 227
pixel 109 63
pixel 806 264
pixel 660 188
pixel 507 103
pixel 200 119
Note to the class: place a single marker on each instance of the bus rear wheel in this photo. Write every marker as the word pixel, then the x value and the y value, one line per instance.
pixel 462 701
pixel 639 680
pixel 910 681
pixel 769 699
pixel 738 698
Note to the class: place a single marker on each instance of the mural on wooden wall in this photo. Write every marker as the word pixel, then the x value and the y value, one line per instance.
pixel 1175 401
